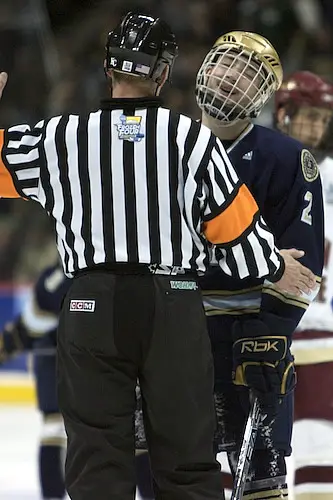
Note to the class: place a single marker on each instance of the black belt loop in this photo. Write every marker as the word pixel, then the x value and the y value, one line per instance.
pixel 130 269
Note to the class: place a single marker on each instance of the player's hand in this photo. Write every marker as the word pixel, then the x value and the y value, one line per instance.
pixel 296 277
pixel 7 343
pixel 3 351
pixel 262 362
pixel 14 340
pixel 3 81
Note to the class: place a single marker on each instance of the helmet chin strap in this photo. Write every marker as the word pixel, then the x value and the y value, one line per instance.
pixel 217 124
pixel 232 113
pixel 234 117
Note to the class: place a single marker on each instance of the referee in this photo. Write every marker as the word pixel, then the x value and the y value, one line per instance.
pixel 136 192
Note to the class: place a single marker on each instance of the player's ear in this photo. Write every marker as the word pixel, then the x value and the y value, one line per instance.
pixel 107 72
pixel 3 81
pixel 281 117
pixel 162 79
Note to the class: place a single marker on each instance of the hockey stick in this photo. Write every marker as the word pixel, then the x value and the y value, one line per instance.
pixel 245 454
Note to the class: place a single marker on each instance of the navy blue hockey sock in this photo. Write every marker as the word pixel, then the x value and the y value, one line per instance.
pixel 143 476
pixel 51 471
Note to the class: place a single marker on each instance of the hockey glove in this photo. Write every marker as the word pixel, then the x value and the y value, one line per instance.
pixel 263 363
pixel 14 339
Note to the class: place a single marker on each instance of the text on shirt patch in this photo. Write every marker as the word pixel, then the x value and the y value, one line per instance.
pixel 129 128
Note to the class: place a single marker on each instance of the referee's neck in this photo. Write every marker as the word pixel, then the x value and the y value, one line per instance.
pixel 123 91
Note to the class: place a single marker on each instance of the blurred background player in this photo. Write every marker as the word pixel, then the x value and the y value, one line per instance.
pixel 35 329
pixel 237 78
pixel 304 110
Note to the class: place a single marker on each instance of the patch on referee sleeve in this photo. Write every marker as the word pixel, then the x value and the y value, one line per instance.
pixel 129 128
pixel 82 306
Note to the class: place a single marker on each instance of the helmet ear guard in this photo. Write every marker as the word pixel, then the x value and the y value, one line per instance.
pixel 141 46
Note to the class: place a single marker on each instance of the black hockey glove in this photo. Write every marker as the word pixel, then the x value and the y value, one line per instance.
pixel 263 363
pixel 14 339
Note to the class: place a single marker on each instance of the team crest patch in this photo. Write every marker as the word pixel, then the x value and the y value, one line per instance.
pixel 309 166
pixel 129 128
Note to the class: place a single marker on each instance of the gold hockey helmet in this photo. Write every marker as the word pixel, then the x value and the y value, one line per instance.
pixel 238 76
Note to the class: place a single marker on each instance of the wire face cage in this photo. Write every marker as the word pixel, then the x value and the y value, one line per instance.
pixel 233 84
pixel 238 76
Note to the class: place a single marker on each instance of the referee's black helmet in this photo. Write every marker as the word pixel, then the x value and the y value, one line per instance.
pixel 141 45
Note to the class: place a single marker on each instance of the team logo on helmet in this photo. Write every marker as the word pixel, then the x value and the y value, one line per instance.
pixel 129 128
pixel 309 166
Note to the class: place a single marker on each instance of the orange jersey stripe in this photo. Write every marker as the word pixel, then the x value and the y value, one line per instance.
pixel 234 220
pixel 7 188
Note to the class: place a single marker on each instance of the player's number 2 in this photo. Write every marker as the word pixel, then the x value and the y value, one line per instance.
pixel 306 212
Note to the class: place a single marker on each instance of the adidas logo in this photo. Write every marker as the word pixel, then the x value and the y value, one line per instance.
pixel 248 156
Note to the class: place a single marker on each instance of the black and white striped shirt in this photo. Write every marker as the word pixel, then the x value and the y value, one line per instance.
pixel 136 183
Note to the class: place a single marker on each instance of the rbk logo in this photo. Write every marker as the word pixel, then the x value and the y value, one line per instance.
pixel 259 346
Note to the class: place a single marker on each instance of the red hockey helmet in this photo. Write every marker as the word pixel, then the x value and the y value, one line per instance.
pixel 304 87
pixel 304 109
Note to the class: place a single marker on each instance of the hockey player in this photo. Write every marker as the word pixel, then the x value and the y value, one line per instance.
pixel 238 76
pixel 35 330
pixel 304 110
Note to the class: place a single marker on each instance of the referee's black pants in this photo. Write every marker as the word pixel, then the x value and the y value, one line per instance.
pixel 113 330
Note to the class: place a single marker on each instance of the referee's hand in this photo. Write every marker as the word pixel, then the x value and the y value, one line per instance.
pixel 3 81
pixel 297 279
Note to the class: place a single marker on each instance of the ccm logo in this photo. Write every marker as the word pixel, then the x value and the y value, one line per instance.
pixel 82 305
pixel 259 346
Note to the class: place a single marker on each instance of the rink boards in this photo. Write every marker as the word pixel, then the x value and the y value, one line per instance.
pixel 16 379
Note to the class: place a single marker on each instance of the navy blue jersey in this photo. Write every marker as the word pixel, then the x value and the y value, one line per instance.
pixel 40 314
pixel 51 288
pixel 284 179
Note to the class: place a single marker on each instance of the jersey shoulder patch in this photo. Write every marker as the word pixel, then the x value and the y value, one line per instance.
pixel 309 166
